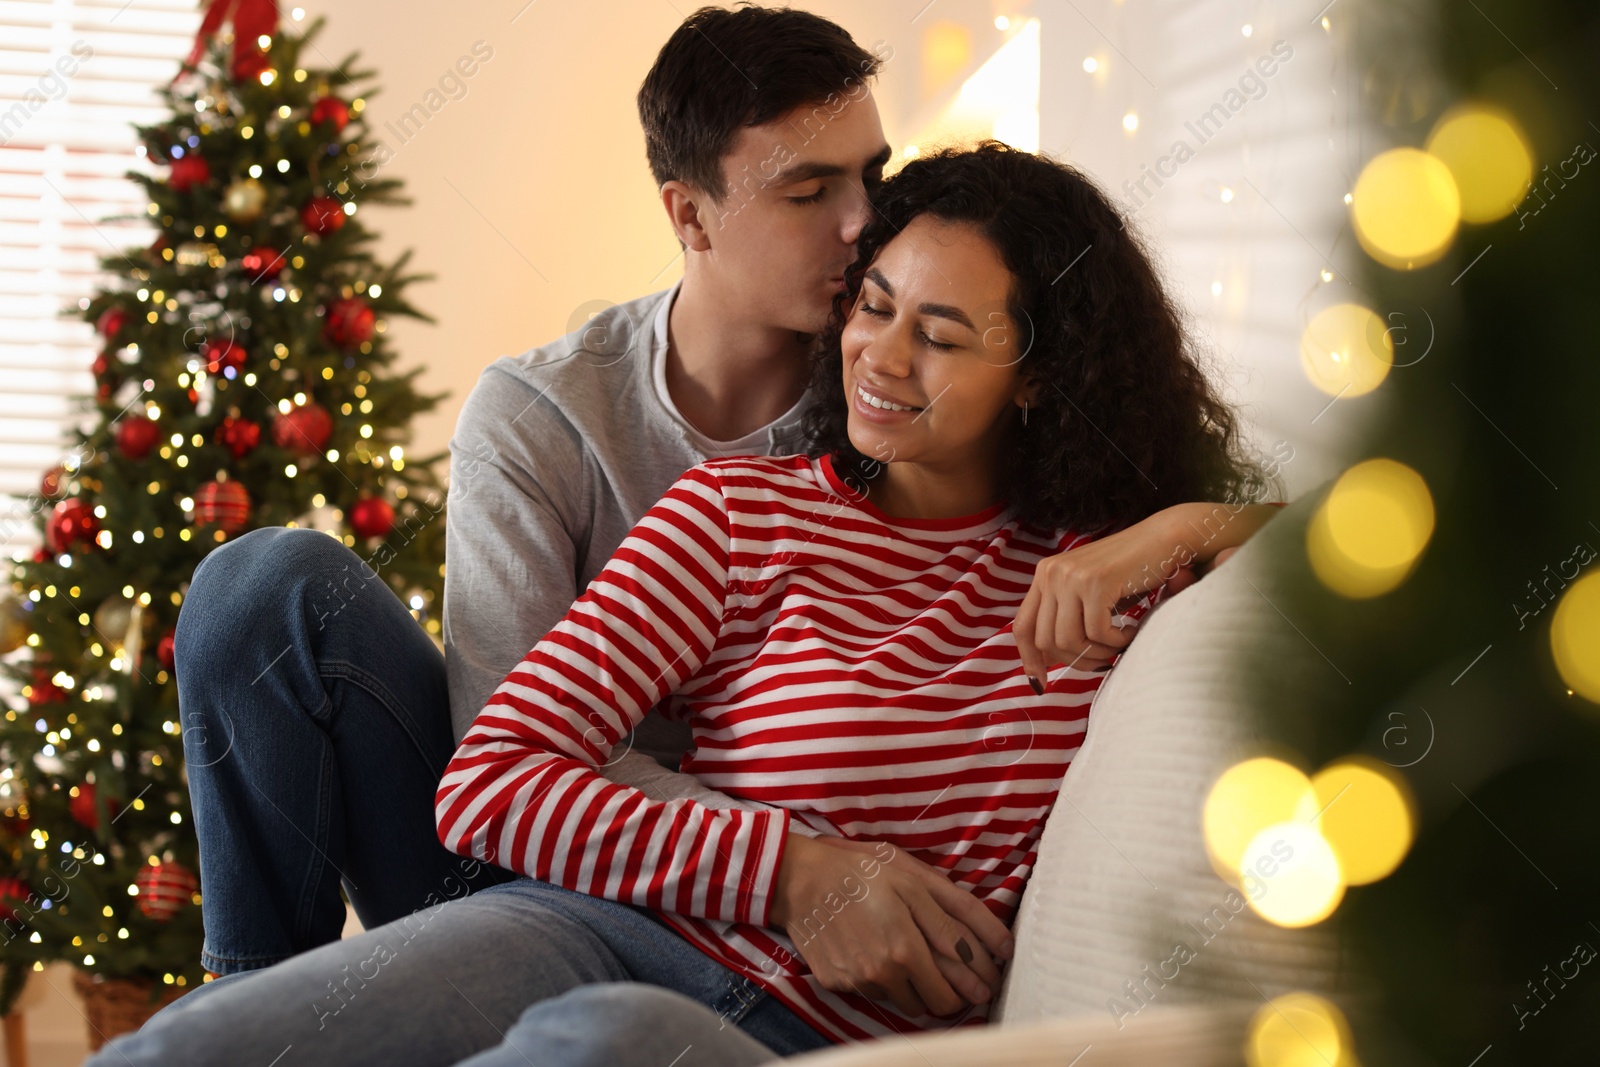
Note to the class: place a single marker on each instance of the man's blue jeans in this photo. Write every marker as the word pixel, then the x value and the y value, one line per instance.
pixel 316 727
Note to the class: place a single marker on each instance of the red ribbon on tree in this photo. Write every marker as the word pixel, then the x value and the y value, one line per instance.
pixel 251 19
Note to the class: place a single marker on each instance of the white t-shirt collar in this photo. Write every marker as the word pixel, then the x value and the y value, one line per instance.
pixel 758 442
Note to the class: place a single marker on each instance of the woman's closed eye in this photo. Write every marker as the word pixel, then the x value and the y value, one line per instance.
pixel 880 313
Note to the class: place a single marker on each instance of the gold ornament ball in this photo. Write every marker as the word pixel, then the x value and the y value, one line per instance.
pixel 113 619
pixel 14 627
pixel 244 200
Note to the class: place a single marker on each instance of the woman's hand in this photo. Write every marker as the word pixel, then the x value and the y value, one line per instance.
pixel 873 919
pixel 1066 616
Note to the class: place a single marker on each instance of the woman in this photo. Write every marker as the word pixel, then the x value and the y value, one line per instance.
pixel 852 635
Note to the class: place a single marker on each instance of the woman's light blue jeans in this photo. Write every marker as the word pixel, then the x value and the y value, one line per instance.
pixel 523 973
pixel 316 727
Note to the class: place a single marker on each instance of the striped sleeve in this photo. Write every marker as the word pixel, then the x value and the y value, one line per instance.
pixel 523 790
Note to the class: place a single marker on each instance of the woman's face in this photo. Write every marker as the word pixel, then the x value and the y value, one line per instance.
pixel 930 332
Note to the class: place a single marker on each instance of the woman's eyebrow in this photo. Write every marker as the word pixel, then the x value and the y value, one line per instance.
pixel 941 311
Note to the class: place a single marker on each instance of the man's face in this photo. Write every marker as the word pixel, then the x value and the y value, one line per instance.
pixel 786 228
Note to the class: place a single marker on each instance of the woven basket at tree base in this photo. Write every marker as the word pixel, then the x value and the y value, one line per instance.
pixel 118 1005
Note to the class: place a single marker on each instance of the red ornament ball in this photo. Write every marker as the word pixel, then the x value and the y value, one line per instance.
pixel 249 62
pixel 330 110
pixel 54 482
pixel 221 354
pixel 263 264
pixel 371 516
pixel 111 322
pixel 101 364
pixel 223 504
pixel 303 430
pixel 349 323
pixel 166 648
pixel 72 523
pixel 239 436
pixel 42 690
pixel 136 436
pixel 187 172
pixel 11 889
pixel 322 214
pixel 84 807
pixel 165 889
pixel 41 554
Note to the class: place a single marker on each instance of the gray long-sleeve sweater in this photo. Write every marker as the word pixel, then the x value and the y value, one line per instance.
pixel 556 455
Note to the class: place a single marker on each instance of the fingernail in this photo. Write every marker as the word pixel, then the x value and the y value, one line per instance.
pixel 1009 948
pixel 963 950
pixel 1038 689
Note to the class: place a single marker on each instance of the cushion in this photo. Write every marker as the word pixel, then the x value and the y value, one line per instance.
pixel 1122 879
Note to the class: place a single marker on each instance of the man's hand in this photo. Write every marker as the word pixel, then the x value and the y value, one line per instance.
pixel 873 919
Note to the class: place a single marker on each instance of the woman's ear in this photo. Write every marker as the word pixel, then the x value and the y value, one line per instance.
pixel 683 211
pixel 1029 391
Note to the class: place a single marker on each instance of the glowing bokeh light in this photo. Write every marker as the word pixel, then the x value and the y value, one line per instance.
pixel 946 51
pixel 1346 351
pixel 1488 157
pixel 1575 637
pixel 1366 818
pixel 1405 208
pixel 1247 798
pixel 1298 1030
pixel 1370 531
pixel 1298 880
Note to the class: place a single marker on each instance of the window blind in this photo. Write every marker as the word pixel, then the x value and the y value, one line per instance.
pixel 74 78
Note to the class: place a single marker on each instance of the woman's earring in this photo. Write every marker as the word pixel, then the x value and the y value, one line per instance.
pixel 1024 412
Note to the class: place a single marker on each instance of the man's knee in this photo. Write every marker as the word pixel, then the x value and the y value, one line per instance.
pixel 269 556
pixel 265 570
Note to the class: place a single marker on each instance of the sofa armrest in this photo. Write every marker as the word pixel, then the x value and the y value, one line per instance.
pixel 1212 1036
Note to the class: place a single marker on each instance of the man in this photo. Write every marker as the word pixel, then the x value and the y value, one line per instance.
pixel 315 709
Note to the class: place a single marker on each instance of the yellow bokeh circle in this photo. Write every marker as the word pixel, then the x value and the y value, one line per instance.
pixel 1298 1030
pixel 1366 817
pixel 1575 637
pixel 1249 797
pixel 1405 208
pixel 1292 877
pixel 1370 531
pixel 1488 157
pixel 1345 350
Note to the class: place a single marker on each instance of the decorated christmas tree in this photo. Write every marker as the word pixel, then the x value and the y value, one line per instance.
pixel 243 381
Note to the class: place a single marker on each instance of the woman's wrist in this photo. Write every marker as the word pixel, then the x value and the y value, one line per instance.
pixel 790 866
pixel 1197 531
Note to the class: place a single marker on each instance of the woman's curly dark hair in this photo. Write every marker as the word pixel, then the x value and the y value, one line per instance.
pixel 1126 422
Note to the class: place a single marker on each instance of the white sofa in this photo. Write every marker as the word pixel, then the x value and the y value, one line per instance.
pixel 1122 874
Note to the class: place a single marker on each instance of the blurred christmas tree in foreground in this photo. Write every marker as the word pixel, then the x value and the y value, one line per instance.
pixel 1447 581
pixel 243 381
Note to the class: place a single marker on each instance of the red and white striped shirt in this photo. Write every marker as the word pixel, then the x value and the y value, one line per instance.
pixel 856 672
